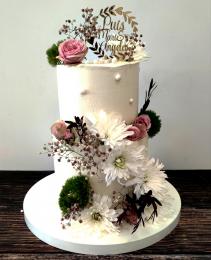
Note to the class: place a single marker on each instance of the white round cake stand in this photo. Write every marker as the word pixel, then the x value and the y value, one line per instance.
pixel 42 216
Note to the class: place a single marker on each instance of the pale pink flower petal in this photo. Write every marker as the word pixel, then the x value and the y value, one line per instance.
pixel 143 119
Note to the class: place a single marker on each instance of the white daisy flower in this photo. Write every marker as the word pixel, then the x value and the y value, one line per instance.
pixel 99 218
pixel 123 162
pixel 111 128
pixel 149 177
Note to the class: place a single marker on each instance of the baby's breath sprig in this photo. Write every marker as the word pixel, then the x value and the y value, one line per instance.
pixel 59 148
pixel 84 150
pixel 84 31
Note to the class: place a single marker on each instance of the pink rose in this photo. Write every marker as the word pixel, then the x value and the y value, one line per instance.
pixel 72 51
pixel 60 131
pixel 139 132
pixel 143 119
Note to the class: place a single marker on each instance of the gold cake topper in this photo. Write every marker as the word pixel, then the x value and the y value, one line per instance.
pixel 115 41
pixel 111 34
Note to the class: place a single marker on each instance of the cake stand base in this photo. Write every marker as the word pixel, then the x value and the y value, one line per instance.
pixel 42 216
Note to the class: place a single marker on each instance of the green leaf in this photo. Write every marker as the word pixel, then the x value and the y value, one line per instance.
pixel 52 54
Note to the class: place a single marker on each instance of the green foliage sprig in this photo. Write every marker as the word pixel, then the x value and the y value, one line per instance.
pixel 52 54
pixel 76 190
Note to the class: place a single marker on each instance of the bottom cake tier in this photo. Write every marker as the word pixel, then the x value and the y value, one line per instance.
pixel 42 215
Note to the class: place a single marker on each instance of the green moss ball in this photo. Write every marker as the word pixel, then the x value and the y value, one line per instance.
pixel 155 123
pixel 75 190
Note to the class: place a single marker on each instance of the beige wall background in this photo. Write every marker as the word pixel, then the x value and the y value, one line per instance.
pixel 178 37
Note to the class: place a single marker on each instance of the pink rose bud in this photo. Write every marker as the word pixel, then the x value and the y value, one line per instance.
pixel 72 51
pixel 143 119
pixel 139 132
pixel 60 131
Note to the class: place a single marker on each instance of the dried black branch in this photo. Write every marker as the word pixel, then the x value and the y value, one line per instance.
pixel 152 87
pixel 133 209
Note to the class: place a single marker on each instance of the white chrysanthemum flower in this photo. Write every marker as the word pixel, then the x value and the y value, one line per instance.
pixel 149 177
pixel 123 162
pixel 99 218
pixel 111 128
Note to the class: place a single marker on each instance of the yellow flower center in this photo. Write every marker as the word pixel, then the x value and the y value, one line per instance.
pixel 145 179
pixel 120 162
pixel 96 216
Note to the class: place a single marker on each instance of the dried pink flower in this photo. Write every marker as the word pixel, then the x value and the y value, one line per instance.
pixel 60 131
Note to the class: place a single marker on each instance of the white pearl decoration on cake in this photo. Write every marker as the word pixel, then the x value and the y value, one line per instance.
pixel 131 100
pixel 117 77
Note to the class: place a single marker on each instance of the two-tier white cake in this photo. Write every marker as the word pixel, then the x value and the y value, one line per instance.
pixel 107 194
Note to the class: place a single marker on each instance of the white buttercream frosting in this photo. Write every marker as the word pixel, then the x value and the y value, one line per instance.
pixel 88 88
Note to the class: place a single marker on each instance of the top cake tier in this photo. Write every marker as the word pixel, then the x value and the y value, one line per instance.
pixel 89 88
